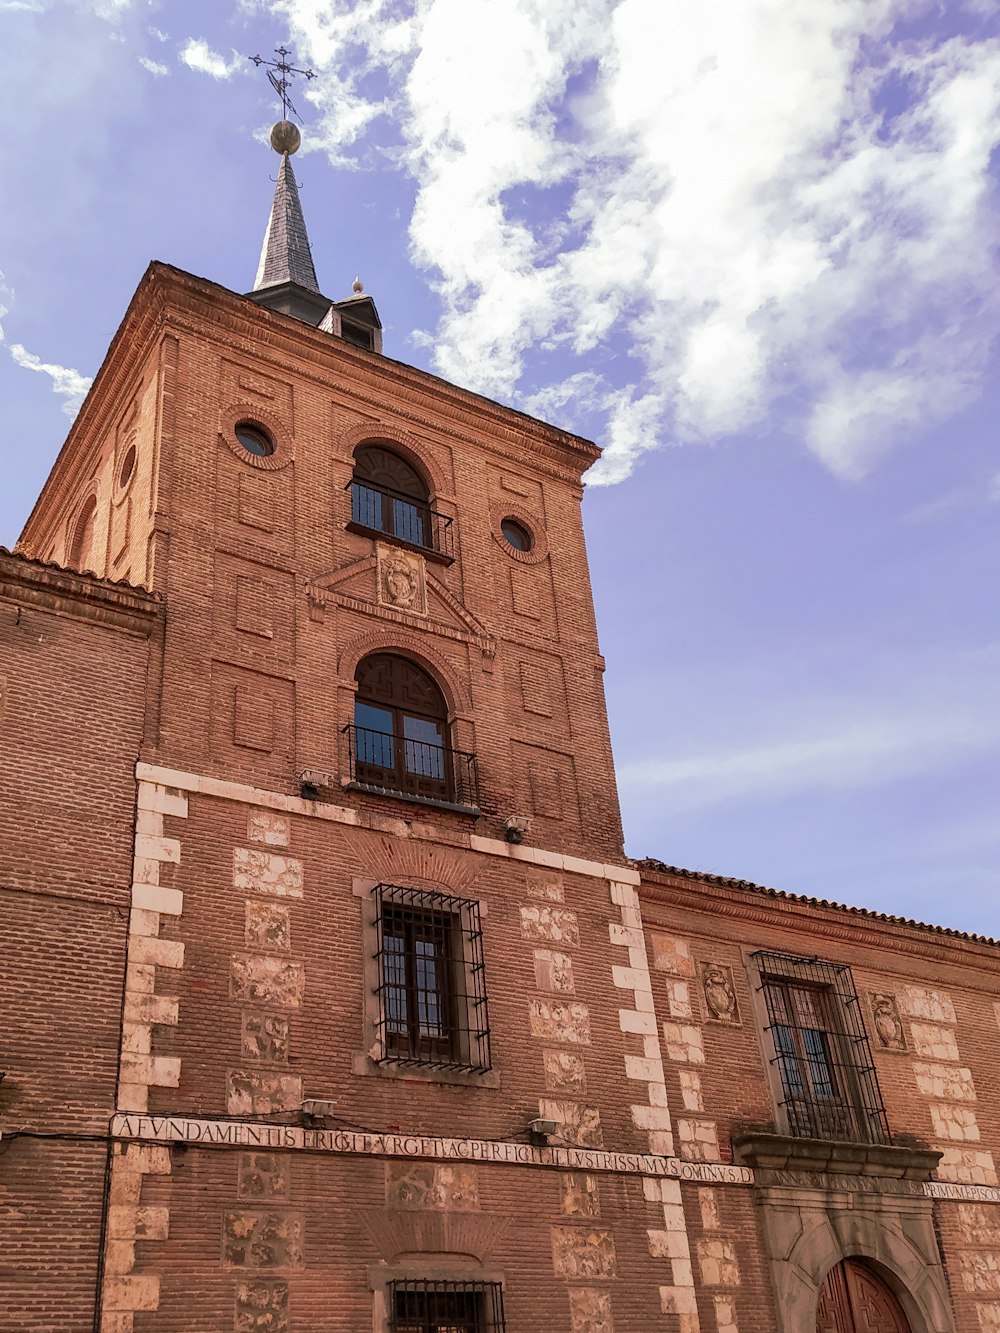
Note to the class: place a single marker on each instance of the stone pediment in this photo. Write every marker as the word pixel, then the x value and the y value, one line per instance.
pixel 396 587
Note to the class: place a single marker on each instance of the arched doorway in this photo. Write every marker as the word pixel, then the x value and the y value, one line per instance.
pixel 855 1300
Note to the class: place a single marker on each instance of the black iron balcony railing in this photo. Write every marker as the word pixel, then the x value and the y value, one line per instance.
pixel 401 517
pixel 383 762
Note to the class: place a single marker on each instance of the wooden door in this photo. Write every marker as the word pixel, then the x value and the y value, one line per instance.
pixel 855 1300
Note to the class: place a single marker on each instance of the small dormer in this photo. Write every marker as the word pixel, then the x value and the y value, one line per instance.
pixel 355 320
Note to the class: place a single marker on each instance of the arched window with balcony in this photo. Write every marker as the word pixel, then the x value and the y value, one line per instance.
pixel 390 498
pixel 400 740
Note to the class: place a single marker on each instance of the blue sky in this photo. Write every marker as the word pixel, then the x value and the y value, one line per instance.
pixel 750 247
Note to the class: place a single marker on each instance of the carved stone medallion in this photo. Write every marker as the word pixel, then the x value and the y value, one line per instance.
pixel 402 580
pixel 887 1023
pixel 721 1005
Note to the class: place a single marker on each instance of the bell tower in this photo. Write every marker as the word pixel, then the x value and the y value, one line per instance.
pixel 377 848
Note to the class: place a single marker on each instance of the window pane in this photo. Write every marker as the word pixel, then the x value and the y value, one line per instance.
pixel 408 522
pixel 366 506
pixel 374 739
pixel 428 989
pixel 424 747
pixel 788 1065
pixel 394 962
pixel 818 1057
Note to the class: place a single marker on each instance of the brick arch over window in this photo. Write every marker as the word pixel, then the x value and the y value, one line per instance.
pixel 397 641
pixel 410 450
pixel 806 1235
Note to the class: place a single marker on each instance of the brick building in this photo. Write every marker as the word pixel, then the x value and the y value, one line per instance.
pixel 333 1002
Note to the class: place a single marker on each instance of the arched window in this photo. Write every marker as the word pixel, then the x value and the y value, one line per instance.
pixel 390 496
pixel 401 729
pixel 83 536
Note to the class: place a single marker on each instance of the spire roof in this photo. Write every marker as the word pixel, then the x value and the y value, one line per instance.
pixel 285 255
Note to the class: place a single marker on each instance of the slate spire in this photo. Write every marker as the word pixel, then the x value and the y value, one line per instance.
pixel 286 277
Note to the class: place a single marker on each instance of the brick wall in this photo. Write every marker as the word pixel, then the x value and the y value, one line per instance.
pixel 73 657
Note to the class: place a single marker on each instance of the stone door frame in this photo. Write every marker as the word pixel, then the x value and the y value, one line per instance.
pixel 807 1231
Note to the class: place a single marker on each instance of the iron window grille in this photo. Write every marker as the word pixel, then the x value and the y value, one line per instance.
pixel 417 1306
pixel 431 981
pixel 383 761
pixel 408 520
pixel 822 1057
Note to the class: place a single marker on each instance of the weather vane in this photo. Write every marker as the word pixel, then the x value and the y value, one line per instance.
pixel 279 81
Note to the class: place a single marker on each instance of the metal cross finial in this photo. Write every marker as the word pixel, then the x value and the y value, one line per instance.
pixel 280 81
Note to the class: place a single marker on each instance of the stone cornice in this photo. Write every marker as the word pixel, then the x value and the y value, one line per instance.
pixel 781 1152
pixel 82 596
pixel 812 919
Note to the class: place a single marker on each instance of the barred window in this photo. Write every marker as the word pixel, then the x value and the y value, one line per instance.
pixel 821 1056
pixel 445 1307
pixel 431 980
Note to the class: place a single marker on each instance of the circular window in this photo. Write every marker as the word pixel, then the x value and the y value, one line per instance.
pixel 254 439
pixel 517 534
pixel 127 467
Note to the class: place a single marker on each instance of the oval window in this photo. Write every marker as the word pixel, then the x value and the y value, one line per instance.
pixel 254 439
pixel 127 467
pixel 516 534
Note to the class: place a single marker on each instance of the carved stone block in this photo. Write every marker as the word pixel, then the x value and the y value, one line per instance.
pixel 933 1042
pixel 583 1252
pixel 698 1141
pixel 262 1307
pixel 719 991
pixel 691 1094
pixel 966 1166
pixel 553 1021
pixel 258 979
pixel 266 872
pixel 684 1043
pixel 580 1195
pixel 263 1177
pixel 980 1225
pixel 590 1310
pixel 558 925
pixel 268 926
pixel 402 579
pixel 564 1072
pixel 261 1092
pixel 934 1006
pixel 718 1263
pixel 579 1125
pixel 886 1023
pixel 980 1272
pixel 952 1083
pixel 265 1037
pixel 554 971
pixel 428 1185
pixel 671 954
pixel 547 884
pixel 258 1239
pixel 954 1122
pixel 267 827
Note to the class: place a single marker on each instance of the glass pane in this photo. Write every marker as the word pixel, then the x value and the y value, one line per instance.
pixel 408 522
pixel 366 507
pixel 394 950
pixel 788 1065
pixel 818 1057
pixel 424 746
pixel 428 996
pixel 374 740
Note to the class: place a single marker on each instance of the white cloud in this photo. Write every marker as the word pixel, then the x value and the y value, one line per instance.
pixel 153 66
pixel 771 208
pixel 199 56
pixel 157 33
pixel 68 384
